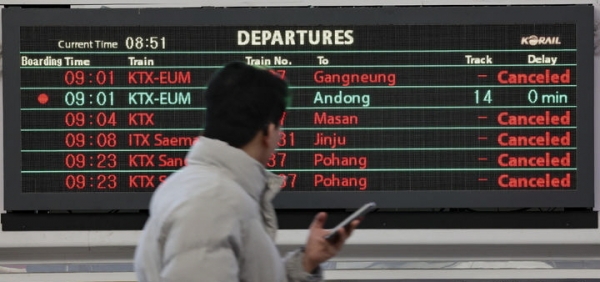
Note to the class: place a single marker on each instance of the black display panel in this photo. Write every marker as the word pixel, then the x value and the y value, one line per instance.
pixel 411 107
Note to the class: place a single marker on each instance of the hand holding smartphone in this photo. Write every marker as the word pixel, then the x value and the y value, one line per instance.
pixel 332 237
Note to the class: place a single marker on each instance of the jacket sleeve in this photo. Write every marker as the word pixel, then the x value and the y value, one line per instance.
pixel 202 264
pixel 295 271
pixel 202 248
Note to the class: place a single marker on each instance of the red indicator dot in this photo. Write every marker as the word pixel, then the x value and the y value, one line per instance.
pixel 43 98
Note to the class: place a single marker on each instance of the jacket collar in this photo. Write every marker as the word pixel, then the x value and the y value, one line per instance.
pixel 243 169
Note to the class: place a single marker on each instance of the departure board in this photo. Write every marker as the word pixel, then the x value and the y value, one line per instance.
pixel 409 107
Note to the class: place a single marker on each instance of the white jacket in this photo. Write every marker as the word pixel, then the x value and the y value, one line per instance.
pixel 213 220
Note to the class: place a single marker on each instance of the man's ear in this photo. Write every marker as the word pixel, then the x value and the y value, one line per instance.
pixel 273 129
pixel 268 131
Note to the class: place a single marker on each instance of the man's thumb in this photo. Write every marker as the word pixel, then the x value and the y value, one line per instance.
pixel 319 220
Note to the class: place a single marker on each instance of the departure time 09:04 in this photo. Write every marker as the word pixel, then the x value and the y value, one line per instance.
pixel 140 42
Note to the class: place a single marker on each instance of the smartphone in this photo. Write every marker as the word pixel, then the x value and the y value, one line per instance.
pixel 366 208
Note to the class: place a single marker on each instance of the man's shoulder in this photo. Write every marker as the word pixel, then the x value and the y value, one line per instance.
pixel 205 190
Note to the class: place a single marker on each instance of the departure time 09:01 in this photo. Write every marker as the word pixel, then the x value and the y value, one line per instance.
pixel 140 42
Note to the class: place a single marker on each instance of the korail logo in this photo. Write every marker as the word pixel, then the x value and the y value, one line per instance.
pixel 534 40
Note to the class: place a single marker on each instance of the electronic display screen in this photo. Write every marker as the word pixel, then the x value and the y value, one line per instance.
pixel 408 107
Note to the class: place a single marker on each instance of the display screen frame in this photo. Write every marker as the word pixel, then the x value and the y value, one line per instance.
pixel 580 15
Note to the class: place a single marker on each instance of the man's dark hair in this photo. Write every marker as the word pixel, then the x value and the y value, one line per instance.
pixel 242 100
